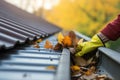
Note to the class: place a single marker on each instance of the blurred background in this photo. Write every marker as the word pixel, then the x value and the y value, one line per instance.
pixel 86 16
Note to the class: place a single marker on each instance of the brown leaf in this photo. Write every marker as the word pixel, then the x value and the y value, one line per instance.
pixel 79 61
pixel 58 46
pixel 36 46
pixel 72 35
pixel 73 38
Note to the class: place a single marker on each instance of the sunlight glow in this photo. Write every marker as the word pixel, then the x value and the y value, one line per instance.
pixel 33 5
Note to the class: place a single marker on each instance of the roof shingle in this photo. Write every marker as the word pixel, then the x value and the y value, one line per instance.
pixel 17 26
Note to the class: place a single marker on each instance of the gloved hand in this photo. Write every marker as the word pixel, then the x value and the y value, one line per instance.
pixel 89 46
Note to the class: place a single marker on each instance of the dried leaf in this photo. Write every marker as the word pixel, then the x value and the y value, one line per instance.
pixel 72 35
pixel 73 38
pixel 90 71
pixel 103 77
pixel 58 46
pixel 80 41
pixel 93 69
pixel 51 67
pixel 90 77
pixel 48 45
pixel 72 50
pixel 79 47
pixel 77 40
pixel 79 61
pixel 60 38
pixel 67 41
pixel 75 68
pixel 36 46
pixel 39 40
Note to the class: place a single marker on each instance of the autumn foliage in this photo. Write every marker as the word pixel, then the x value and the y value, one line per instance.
pixel 86 16
pixel 66 40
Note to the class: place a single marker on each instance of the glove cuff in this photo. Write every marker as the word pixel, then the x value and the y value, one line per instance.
pixel 103 38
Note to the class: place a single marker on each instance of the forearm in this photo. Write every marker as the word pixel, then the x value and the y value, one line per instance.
pixel 112 30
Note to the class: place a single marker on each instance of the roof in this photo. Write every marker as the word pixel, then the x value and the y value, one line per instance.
pixel 29 63
pixel 18 26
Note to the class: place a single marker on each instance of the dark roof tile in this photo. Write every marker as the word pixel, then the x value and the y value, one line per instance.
pixel 9 22
pixel 17 26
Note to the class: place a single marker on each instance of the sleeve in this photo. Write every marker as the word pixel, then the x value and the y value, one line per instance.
pixel 112 30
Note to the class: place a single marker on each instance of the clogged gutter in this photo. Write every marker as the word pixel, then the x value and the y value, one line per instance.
pixel 82 68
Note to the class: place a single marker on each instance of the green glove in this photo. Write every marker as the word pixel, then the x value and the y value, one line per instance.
pixel 89 46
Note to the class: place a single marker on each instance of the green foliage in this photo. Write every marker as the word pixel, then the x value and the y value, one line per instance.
pixel 115 45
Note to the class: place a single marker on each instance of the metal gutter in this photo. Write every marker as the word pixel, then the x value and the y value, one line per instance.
pixel 63 72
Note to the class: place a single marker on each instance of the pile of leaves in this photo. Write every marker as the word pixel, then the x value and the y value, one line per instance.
pixel 83 73
pixel 67 40
pixel 82 68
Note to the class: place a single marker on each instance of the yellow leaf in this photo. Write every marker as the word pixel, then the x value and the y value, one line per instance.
pixel 51 67
pixel 75 68
pixel 88 73
pixel 60 38
pixel 39 40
